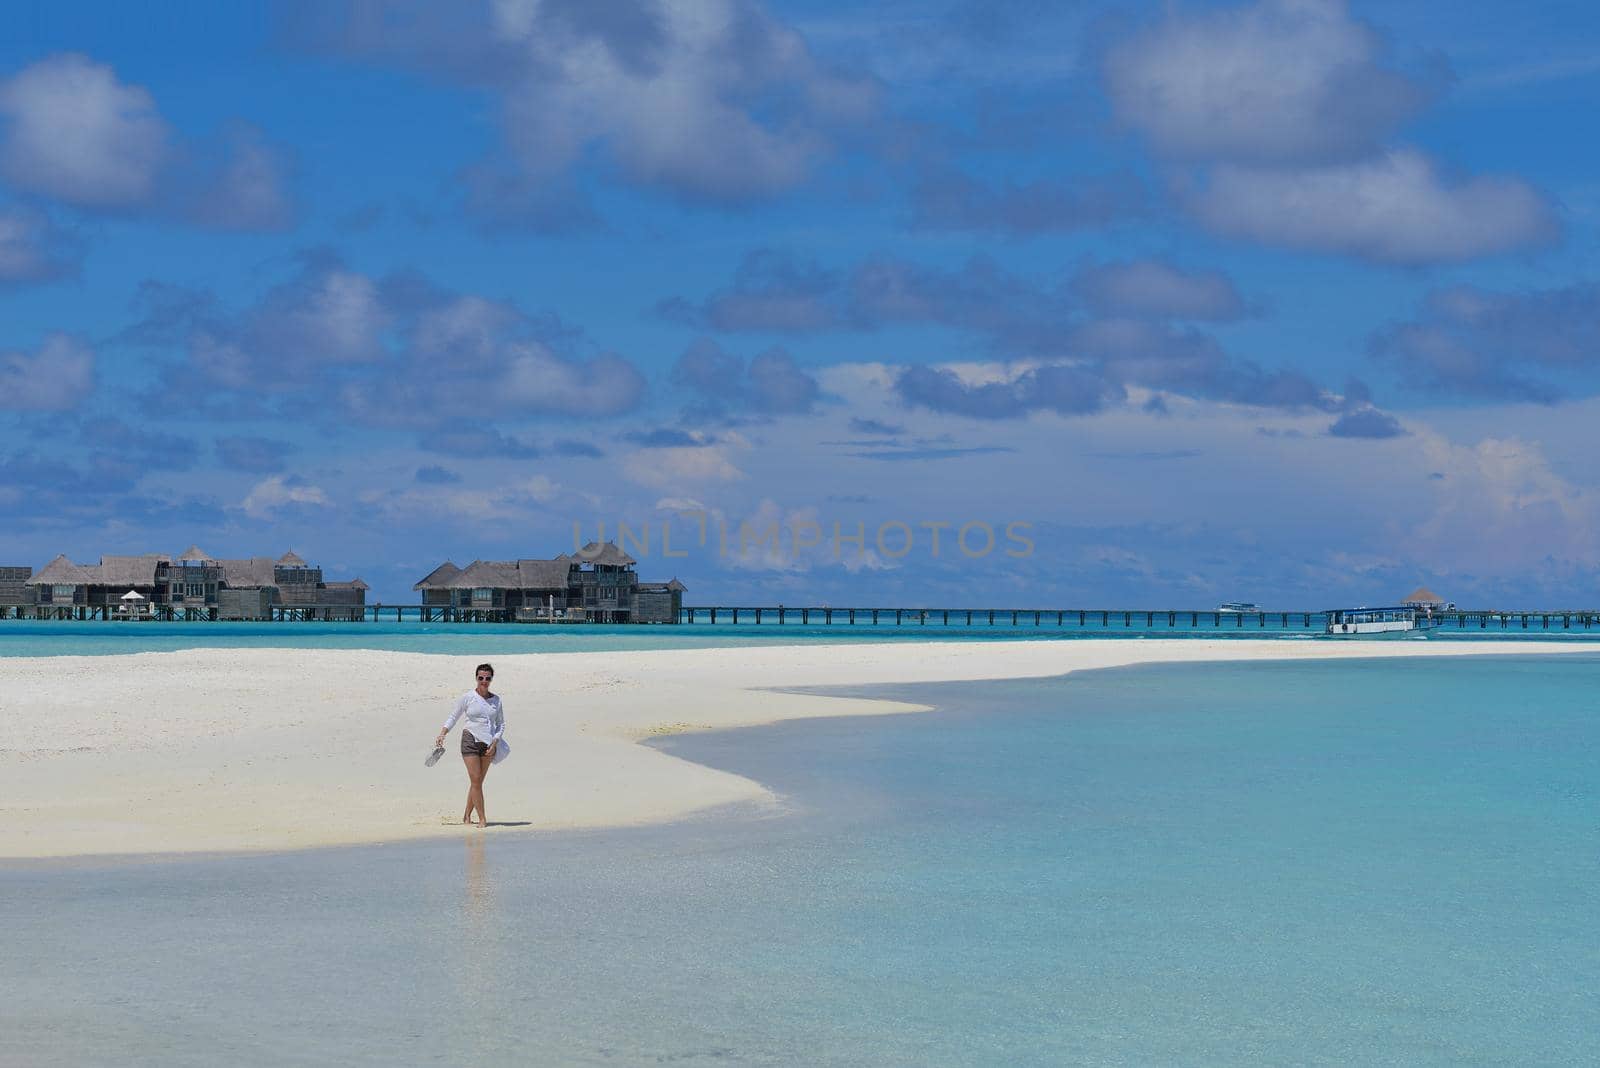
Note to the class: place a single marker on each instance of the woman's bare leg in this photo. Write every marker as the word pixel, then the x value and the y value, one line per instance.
pixel 474 765
pixel 483 773
pixel 477 790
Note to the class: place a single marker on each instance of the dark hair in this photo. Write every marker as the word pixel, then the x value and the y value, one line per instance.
pixel 484 667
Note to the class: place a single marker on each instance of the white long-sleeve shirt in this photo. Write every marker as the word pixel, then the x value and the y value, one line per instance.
pixel 484 718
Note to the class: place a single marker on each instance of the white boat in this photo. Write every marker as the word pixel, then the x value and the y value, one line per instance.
pixel 1238 607
pixel 1359 622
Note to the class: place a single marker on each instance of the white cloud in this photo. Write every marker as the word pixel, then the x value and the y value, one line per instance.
pixel 240 183
pixel 540 488
pixel 676 95
pixel 1277 81
pixel 1152 288
pixel 397 348
pixel 55 377
pixel 765 539
pixel 482 344
pixel 670 468
pixel 325 316
pixel 775 539
pixel 537 379
pixel 1290 108
pixel 1471 340
pixel 1395 208
pixel 463 334
pixel 867 378
pixel 271 495
pixel 1522 514
pixel 347 313
pixel 865 560
pixel 222 361
pixel 75 133
pixel 72 132
pixel 434 503
pixel 32 249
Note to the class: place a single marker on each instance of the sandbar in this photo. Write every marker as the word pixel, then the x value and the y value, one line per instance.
pixel 239 750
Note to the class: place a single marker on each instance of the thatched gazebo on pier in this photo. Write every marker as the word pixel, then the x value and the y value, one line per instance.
pixel 1422 597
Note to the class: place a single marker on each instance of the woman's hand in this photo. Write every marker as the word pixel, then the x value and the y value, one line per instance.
pixel 439 741
pixel 492 747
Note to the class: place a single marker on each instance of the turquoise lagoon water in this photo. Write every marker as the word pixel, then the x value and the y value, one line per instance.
pixel 1268 863
pixel 50 638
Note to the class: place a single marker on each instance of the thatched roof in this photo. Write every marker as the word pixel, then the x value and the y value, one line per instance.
pixel 126 571
pixel 673 586
pixel 501 575
pixel 110 571
pixel 1423 596
pixel 130 570
pixel 606 555
pixel 62 572
pixel 255 571
pixel 545 574
pixel 353 584
pixel 439 578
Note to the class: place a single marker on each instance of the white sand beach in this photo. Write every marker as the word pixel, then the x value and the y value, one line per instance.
pixel 272 749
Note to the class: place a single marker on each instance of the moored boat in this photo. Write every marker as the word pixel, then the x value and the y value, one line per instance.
pixel 1377 622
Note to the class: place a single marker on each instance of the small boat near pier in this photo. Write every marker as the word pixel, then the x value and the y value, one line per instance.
pixel 1378 622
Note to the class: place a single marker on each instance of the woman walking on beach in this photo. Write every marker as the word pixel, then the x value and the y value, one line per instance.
pixel 482 738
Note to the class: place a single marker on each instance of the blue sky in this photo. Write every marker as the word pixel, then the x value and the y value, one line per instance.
pixel 1291 301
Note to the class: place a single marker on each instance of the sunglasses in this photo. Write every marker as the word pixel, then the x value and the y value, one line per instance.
pixel 485 678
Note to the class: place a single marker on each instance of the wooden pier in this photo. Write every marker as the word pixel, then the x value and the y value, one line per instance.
pixel 1108 619
pixel 1077 619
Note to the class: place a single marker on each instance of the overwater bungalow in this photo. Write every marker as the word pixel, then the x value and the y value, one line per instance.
pixel 659 602
pixel 14 588
pixel 596 584
pixel 220 587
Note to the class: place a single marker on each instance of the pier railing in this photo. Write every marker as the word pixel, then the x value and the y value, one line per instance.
pixel 1075 619
pixel 1111 619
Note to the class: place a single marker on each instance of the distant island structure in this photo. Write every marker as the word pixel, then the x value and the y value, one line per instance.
pixel 599 584
pixel 596 584
pixel 193 585
pixel 1422 597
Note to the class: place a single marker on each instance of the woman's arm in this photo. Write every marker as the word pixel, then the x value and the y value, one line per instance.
pixel 455 714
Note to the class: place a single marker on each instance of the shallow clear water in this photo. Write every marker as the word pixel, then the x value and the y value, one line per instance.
pixel 53 638
pixel 1361 862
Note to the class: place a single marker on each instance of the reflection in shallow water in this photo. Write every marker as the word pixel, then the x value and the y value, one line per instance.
pixel 480 893
pixel 483 942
